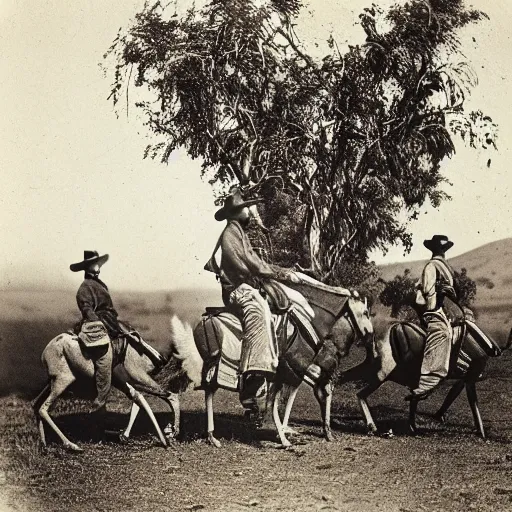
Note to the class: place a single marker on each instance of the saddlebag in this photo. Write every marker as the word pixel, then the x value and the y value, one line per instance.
pixel 94 334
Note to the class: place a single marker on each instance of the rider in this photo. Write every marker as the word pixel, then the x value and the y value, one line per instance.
pixel 95 304
pixel 436 284
pixel 242 273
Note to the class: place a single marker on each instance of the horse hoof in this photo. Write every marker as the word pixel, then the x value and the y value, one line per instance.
pixel 123 439
pixel 213 441
pixel 441 418
pixel 388 435
pixel 413 430
pixel 286 445
pixel 171 432
pixel 72 447
pixel 329 436
pixel 372 429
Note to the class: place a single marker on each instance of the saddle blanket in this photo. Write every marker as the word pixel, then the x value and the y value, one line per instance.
pixel 218 340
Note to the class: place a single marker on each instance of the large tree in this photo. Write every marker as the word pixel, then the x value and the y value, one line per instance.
pixel 341 147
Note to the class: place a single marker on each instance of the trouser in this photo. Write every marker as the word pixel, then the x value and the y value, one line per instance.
pixel 259 356
pixel 436 358
pixel 259 347
pixel 102 360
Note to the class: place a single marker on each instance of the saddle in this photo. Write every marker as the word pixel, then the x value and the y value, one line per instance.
pixel 218 340
pixel 470 346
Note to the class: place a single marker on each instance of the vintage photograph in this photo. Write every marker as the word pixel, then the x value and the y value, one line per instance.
pixel 256 256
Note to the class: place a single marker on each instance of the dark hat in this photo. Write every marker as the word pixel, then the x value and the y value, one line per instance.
pixel 234 203
pixel 90 258
pixel 438 243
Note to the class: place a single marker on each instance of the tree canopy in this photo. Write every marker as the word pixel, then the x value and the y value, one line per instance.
pixel 346 144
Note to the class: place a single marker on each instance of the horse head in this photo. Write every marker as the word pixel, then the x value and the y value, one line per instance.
pixel 358 314
pixel 509 341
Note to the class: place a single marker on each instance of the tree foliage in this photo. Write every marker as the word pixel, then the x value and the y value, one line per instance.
pixel 345 144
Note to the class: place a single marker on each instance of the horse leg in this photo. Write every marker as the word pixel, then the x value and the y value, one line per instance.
pixel 136 397
pixel 473 403
pixel 172 429
pixel 58 385
pixel 134 411
pixel 288 410
pixel 323 394
pixel 273 399
pixel 413 406
pixel 362 397
pixel 209 392
pixel 454 392
pixel 36 405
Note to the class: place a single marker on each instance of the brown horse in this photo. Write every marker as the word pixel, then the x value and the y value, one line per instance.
pixel 67 362
pixel 338 321
pixel 397 357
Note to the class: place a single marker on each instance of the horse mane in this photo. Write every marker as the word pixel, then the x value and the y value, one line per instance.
pixel 322 298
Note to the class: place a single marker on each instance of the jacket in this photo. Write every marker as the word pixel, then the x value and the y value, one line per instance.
pixel 95 303
pixel 436 283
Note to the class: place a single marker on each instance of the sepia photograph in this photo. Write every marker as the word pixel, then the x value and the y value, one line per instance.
pixel 256 255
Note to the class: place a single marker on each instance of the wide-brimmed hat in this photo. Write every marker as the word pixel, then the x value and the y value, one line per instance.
pixel 234 203
pixel 90 258
pixel 438 243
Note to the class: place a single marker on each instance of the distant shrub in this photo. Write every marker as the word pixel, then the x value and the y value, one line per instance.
pixel 465 288
pixel 399 295
pixel 485 282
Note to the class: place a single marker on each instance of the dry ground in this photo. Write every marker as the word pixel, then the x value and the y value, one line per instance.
pixel 446 468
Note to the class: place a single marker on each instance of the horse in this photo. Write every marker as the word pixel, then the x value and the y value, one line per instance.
pixel 335 309
pixel 66 362
pixel 397 357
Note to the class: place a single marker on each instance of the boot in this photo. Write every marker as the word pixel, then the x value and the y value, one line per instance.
pixel 427 385
pixel 253 395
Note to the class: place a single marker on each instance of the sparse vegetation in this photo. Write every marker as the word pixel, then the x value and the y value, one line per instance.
pixel 248 468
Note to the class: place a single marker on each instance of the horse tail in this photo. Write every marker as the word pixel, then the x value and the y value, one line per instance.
pixel 185 350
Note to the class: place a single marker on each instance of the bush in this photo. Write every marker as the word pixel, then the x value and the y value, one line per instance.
pixel 399 294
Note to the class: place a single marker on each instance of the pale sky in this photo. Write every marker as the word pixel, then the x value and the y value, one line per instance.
pixel 74 178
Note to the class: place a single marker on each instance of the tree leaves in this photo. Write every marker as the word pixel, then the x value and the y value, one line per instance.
pixel 349 143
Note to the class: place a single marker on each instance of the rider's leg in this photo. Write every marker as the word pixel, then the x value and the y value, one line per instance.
pixel 102 360
pixel 259 355
pixel 436 358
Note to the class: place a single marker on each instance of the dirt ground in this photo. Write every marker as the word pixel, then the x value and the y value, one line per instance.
pixel 445 468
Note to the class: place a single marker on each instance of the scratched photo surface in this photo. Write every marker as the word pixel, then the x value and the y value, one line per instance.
pixel 365 128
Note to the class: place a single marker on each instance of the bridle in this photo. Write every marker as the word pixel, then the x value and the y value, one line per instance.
pixel 348 313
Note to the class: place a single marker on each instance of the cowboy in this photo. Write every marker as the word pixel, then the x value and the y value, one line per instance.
pixel 436 283
pixel 242 273
pixel 95 304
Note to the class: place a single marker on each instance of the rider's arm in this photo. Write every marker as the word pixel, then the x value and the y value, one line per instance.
pixel 428 286
pixel 237 248
pixel 86 303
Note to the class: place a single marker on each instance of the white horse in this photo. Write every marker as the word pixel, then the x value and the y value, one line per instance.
pixel 66 362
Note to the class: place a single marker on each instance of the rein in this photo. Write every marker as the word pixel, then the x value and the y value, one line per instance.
pixel 352 320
